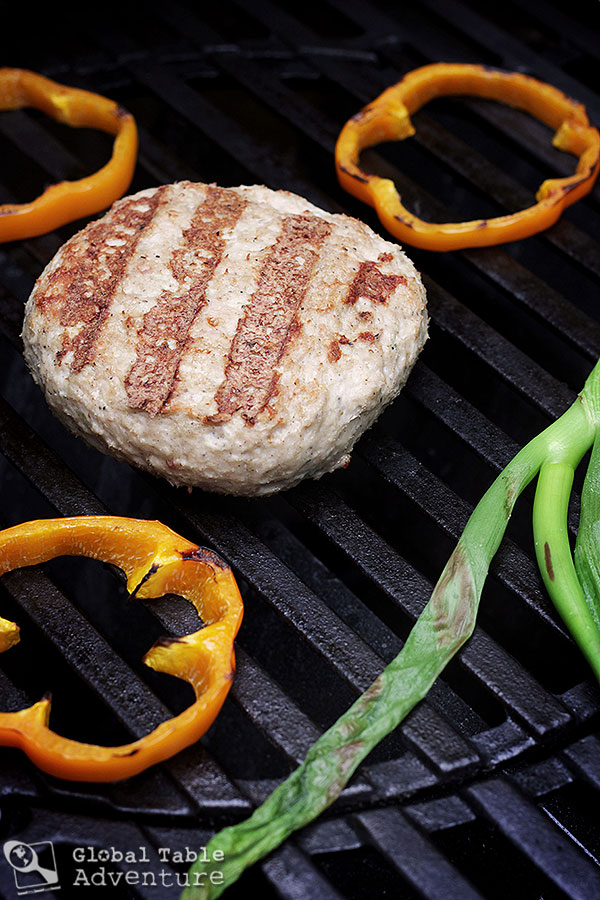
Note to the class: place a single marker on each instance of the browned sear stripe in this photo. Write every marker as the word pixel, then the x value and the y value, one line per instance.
pixel 372 283
pixel 270 319
pixel 334 353
pixel 165 328
pixel 81 290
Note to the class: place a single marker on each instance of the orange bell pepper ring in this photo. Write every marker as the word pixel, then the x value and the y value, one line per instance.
pixel 156 561
pixel 69 200
pixel 387 118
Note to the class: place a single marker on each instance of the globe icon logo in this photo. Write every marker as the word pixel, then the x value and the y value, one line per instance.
pixel 21 856
pixel 34 865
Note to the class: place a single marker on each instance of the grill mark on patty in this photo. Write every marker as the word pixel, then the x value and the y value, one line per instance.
pixel 334 353
pixel 81 290
pixel 270 320
pixel 165 328
pixel 372 283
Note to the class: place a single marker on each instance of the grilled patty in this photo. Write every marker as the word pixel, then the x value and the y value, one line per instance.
pixel 237 339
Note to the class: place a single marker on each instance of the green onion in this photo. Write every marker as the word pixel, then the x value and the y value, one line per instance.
pixel 587 558
pixel 445 624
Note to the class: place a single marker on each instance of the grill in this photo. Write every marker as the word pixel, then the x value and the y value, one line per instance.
pixel 485 790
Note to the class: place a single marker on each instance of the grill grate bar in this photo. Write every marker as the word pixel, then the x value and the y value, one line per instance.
pixel 583 757
pixel 571 27
pixel 513 366
pixel 537 780
pixel 329 836
pixel 46 472
pixel 287 727
pixel 242 147
pixel 28 136
pixel 443 812
pixel 295 878
pixel 558 857
pixel 449 407
pixel 414 856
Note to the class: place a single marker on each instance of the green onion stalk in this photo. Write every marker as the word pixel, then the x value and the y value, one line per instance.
pixel 447 621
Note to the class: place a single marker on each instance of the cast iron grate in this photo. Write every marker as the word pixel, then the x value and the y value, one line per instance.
pixel 487 783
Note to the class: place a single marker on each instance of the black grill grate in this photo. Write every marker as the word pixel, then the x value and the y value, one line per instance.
pixel 485 789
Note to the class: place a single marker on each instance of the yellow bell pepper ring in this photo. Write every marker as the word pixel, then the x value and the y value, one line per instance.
pixel 156 561
pixel 68 200
pixel 387 118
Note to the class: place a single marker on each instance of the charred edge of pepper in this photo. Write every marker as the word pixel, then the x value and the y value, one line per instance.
pixel 548 561
pixel 495 69
pixel 563 190
pixel 168 641
pixel 404 221
pixel 129 753
pixel 357 117
pixel 202 554
pixel 362 178
pixel 151 571
pixel 47 698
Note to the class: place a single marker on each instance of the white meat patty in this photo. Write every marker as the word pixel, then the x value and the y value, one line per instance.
pixel 236 339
